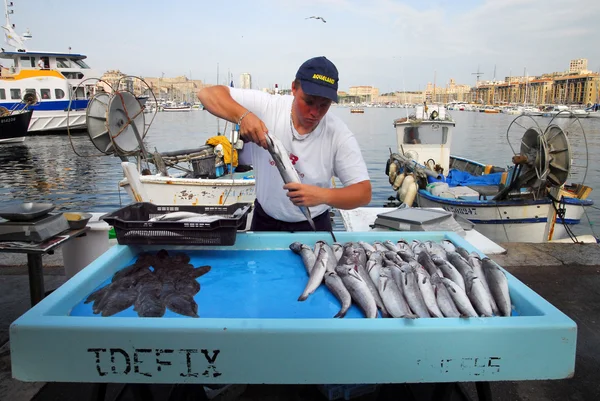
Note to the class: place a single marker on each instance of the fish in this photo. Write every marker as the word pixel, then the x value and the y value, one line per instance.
pixel 335 284
pixel 433 248
pixel 338 250
pixel 378 245
pixel 187 285
pixel 411 291
pixel 427 291
pixel 148 304
pixel 449 271
pixel 331 260
pixel 448 245
pixel 391 246
pixel 443 297
pixel 405 247
pixel 425 260
pixel 478 295
pixel 460 264
pixel 176 216
pixel 307 254
pixel 364 274
pixel 117 300
pixel 393 257
pixel 460 298
pixel 358 289
pixel 367 247
pixel 182 304
pixel 392 296
pixel 498 286
pixel 316 275
pixel 374 269
pixel 475 262
pixel 286 169
pixel 417 246
pixel 462 252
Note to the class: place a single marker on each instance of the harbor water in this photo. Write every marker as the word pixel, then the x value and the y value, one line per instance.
pixel 71 173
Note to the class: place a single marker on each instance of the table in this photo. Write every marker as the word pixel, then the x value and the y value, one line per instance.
pixel 34 252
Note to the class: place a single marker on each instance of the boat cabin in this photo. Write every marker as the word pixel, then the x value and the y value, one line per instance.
pixel 426 135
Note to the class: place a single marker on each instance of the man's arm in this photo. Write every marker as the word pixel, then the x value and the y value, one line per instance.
pixel 349 197
pixel 218 101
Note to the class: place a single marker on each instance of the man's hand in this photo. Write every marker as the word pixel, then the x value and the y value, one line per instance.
pixel 254 130
pixel 306 195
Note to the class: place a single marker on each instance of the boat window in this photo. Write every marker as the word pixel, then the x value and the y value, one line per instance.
pixel 433 134
pixel 59 93
pixel 2 94
pixel 27 61
pixel 45 93
pixel 80 63
pixel 62 62
pixel 15 94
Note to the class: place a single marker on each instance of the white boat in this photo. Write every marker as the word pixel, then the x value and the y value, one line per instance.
pixel 54 80
pixel 506 205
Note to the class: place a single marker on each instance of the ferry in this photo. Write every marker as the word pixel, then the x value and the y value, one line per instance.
pixel 58 83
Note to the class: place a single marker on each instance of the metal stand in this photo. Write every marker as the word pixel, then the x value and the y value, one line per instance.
pixel 36 277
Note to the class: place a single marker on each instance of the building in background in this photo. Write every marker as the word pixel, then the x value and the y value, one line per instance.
pixel 245 80
pixel 578 66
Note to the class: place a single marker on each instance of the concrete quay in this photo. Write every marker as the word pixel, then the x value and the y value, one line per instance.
pixel 567 275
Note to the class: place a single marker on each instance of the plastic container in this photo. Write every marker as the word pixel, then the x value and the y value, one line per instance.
pixel 436 188
pixel 132 224
pixel 81 251
pixel 204 167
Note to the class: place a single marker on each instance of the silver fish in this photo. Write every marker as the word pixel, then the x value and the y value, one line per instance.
pixel 176 216
pixel 424 282
pixel 393 256
pixel 425 260
pixel 443 297
pixel 392 296
pixel 364 274
pixel 286 169
pixel 378 245
pixel 374 269
pixel 404 246
pixel 307 254
pixel 448 245
pixel 417 246
pixel 391 246
pixel 337 288
pixel 449 271
pixel 411 291
pixel 366 246
pixel 498 286
pixel 338 250
pixel 462 252
pixel 358 289
pixel 318 245
pixel 331 260
pixel 475 262
pixel 478 295
pixel 460 263
pixel 460 298
pixel 433 248
pixel 316 275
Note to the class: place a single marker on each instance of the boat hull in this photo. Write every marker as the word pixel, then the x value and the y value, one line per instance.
pixel 44 121
pixel 523 221
pixel 13 128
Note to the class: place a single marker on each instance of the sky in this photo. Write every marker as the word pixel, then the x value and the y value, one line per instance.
pixel 392 45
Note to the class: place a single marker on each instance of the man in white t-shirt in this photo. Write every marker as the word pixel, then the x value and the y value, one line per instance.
pixel 320 146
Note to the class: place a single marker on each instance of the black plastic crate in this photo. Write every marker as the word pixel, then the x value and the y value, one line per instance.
pixel 133 228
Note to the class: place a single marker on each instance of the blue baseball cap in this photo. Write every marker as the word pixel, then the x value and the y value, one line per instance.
pixel 319 77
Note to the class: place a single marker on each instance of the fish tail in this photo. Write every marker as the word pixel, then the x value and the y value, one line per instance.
pixel 340 314
pixel 302 297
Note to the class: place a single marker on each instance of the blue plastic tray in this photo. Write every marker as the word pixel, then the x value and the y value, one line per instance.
pixel 252 330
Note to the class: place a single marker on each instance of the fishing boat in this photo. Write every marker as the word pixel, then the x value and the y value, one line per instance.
pixel 199 176
pixel 58 81
pixel 13 125
pixel 528 202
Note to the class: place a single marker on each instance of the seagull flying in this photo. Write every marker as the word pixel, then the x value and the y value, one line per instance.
pixel 315 17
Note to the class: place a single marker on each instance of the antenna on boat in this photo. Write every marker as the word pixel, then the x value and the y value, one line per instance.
pixel 10 35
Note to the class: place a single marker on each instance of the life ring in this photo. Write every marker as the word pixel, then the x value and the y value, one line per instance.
pixel 434 114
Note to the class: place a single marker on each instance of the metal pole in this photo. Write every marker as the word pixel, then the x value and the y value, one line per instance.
pixel 36 277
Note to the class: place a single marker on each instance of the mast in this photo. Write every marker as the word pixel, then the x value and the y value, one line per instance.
pixel 10 36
